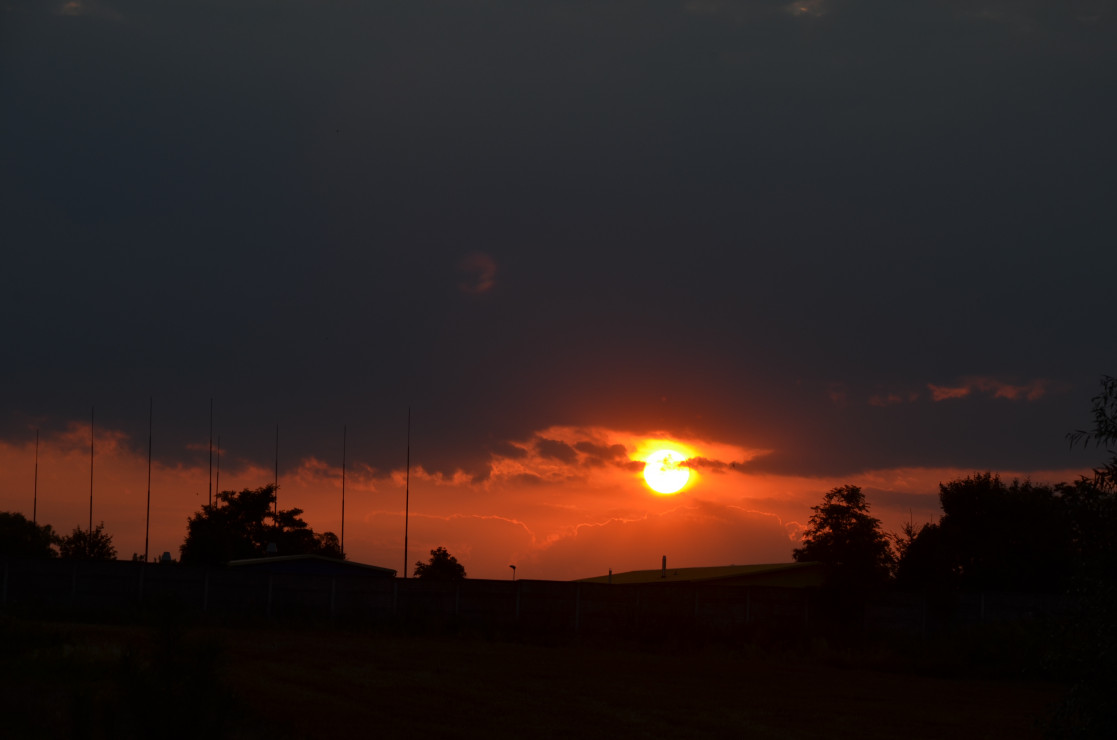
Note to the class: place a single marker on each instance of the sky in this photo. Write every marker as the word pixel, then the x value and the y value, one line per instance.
pixel 806 244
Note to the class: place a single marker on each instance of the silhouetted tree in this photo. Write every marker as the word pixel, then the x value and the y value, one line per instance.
pixel 20 537
pixel 442 566
pixel 923 561
pixel 327 544
pixel 241 525
pixel 1103 434
pixel 1092 517
pixel 1090 649
pixel 82 544
pixel 842 534
pixel 992 536
pixel 1091 502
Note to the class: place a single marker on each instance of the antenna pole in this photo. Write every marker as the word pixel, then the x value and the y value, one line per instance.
pixel 35 500
pixel 217 478
pixel 275 498
pixel 91 410
pixel 407 492
pixel 147 524
pixel 344 433
pixel 209 480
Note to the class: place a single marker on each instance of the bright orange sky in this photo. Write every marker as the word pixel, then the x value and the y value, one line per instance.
pixel 568 503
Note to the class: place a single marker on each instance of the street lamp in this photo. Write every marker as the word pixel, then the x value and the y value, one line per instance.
pixel 513 572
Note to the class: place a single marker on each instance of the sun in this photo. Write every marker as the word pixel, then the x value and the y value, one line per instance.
pixel 664 472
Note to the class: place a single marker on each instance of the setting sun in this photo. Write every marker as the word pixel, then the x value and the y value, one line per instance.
pixel 664 471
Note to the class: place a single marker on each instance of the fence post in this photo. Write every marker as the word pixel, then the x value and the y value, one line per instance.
pixel 140 593
pixel 4 597
pixel 333 596
pixel 517 603
pixel 269 596
pixel 748 604
pixel 74 585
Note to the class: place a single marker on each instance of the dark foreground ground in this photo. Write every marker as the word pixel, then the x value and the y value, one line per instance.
pixel 66 679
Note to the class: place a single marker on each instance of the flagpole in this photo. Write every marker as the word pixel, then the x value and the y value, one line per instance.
pixel 91 410
pixel 209 480
pixel 344 433
pixel 217 478
pixel 407 492
pixel 35 500
pixel 147 524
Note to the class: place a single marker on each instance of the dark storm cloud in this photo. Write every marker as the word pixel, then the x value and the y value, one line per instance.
pixel 708 215
pixel 600 455
pixel 820 438
pixel 509 450
pixel 705 463
pixel 555 450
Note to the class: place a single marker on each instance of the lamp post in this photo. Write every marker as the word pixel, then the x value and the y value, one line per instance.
pixel 513 572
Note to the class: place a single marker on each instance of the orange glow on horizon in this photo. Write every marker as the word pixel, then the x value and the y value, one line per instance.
pixel 565 503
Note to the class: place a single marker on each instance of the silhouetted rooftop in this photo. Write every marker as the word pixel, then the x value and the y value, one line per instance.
pixel 315 564
pixel 770 574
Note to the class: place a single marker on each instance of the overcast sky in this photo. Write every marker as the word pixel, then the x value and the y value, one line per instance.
pixel 826 238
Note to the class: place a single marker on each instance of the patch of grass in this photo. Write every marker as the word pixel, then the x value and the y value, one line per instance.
pixel 351 682
pixel 280 682
pixel 110 681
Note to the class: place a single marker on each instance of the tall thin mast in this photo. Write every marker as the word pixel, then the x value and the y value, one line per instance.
pixel 344 431
pixel 275 498
pixel 35 500
pixel 209 479
pixel 217 478
pixel 407 492
pixel 147 524
pixel 91 410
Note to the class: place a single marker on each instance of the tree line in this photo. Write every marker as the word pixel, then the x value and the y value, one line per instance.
pixel 20 537
pixel 238 525
pixel 991 535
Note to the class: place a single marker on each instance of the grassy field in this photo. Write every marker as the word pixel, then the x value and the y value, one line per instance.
pixel 89 680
